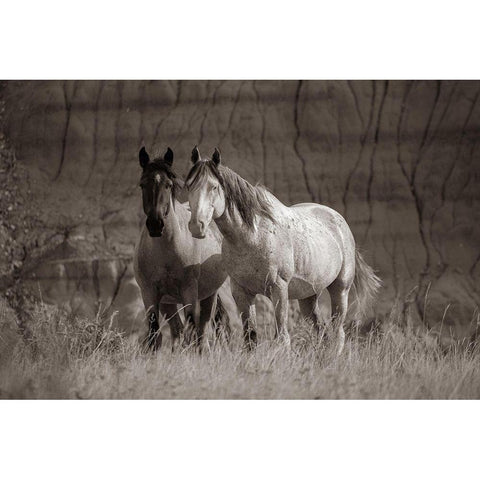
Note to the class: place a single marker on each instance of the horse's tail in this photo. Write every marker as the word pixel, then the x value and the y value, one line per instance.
pixel 365 287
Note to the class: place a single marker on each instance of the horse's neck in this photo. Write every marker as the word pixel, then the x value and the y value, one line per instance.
pixel 233 228
pixel 173 228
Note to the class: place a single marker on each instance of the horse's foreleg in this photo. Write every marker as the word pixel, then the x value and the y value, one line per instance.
pixel 221 321
pixel 246 306
pixel 153 339
pixel 190 301
pixel 339 301
pixel 170 311
pixel 207 309
pixel 279 297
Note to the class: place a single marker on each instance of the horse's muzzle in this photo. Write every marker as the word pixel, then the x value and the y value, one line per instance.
pixel 155 227
pixel 197 229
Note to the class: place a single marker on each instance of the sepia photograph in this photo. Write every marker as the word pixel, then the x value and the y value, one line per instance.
pixel 240 239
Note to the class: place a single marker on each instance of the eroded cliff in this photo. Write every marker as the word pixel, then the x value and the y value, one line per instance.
pixel 398 159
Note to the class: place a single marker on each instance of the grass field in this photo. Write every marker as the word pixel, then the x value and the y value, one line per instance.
pixel 81 359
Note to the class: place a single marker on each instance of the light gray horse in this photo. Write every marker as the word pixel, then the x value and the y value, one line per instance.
pixel 278 251
pixel 170 266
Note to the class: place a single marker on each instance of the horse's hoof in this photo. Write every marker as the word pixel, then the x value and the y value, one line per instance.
pixel 250 340
pixel 283 340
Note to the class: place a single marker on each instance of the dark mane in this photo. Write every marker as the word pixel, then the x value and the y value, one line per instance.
pixel 156 166
pixel 248 199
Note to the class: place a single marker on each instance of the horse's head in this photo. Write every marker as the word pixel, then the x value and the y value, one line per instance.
pixel 205 192
pixel 158 185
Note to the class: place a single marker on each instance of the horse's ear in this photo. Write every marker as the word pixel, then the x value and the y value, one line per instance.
pixel 168 157
pixel 143 157
pixel 195 155
pixel 216 157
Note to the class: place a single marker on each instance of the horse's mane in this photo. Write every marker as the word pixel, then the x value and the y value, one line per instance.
pixel 159 165
pixel 249 200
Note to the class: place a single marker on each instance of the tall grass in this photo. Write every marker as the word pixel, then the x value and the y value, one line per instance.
pixel 79 358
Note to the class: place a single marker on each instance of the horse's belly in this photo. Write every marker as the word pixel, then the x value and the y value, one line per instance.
pixel 317 263
pixel 299 288
pixel 170 300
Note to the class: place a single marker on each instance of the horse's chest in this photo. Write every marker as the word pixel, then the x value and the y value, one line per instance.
pixel 165 276
pixel 253 268
pixel 162 268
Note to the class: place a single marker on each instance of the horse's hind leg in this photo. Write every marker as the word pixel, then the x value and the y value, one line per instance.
pixel 339 300
pixel 279 297
pixel 170 312
pixel 310 311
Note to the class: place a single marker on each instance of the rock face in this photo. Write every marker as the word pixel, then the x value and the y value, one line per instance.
pixel 398 159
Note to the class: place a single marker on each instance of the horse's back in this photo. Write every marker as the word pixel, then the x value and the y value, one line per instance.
pixel 329 218
pixel 321 212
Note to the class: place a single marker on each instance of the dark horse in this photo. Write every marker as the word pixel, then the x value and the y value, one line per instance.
pixel 170 266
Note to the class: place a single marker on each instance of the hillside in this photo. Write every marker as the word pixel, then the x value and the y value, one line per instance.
pixel 398 159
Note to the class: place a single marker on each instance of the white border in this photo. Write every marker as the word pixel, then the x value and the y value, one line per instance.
pixel 251 39
pixel 249 439
pixel 258 39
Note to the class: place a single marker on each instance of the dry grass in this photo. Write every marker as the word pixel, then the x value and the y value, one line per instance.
pixel 74 358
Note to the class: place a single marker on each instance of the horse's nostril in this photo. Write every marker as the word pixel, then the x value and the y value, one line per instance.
pixel 197 228
pixel 155 226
